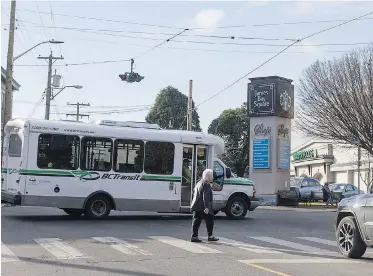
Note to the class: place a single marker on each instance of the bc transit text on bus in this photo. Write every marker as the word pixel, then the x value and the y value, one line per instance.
pixel 119 176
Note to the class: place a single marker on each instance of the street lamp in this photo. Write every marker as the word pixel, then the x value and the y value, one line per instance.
pixel 44 42
pixel 73 86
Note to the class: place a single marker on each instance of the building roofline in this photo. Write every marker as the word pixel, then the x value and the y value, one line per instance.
pixel 15 84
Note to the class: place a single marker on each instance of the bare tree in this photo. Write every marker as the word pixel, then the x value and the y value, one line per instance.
pixel 336 99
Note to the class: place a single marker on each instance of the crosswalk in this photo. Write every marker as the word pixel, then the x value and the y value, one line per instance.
pixel 86 248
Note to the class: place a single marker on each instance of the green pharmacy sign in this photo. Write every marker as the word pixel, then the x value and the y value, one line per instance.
pixel 306 154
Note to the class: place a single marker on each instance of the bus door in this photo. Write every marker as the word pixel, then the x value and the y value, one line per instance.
pixel 12 160
pixel 193 165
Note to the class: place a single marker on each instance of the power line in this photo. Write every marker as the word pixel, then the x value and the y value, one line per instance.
pixel 107 20
pixel 98 31
pixel 283 50
pixel 104 32
pixel 42 23
pixel 199 28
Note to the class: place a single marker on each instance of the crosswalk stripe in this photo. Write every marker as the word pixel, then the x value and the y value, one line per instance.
pixel 318 240
pixel 246 246
pixel 122 246
pixel 299 261
pixel 7 255
pixel 185 245
pixel 60 249
pixel 290 244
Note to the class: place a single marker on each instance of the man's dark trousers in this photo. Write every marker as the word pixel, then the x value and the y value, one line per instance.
pixel 197 219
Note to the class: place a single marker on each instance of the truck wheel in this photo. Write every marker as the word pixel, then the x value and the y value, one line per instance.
pixel 236 208
pixel 349 240
pixel 97 207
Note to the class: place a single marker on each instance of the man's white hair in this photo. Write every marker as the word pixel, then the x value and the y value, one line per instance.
pixel 208 176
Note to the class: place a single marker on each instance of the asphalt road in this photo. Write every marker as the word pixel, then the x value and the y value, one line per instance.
pixel 43 241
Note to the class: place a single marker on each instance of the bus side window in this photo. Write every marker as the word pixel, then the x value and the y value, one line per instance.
pixel 15 146
pixel 58 152
pixel 128 156
pixel 159 158
pixel 96 154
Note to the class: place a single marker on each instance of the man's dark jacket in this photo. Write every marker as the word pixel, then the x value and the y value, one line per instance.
pixel 202 198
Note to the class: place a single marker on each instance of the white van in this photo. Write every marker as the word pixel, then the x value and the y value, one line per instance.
pixel 93 168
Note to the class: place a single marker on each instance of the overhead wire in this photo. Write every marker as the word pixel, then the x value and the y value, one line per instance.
pixel 283 50
pixel 199 28
pixel 42 23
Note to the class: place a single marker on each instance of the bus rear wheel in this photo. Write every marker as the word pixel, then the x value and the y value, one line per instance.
pixel 74 212
pixel 97 207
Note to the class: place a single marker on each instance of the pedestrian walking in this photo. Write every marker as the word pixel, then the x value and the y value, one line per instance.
pixel 202 206
pixel 329 194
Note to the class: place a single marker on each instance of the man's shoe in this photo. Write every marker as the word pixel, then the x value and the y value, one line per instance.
pixel 195 239
pixel 212 239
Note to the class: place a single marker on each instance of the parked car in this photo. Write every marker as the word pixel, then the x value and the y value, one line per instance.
pixel 354 225
pixel 308 188
pixel 341 190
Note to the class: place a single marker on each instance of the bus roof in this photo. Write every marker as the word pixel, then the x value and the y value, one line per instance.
pixel 115 131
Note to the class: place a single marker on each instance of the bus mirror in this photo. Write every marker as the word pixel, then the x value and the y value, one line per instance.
pixel 228 172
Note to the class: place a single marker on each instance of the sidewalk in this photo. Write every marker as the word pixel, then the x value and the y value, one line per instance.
pixel 314 207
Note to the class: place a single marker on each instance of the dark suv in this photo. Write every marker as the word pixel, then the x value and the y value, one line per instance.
pixel 354 225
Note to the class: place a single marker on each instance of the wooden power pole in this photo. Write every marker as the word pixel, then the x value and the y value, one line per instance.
pixel 190 106
pixel 77 114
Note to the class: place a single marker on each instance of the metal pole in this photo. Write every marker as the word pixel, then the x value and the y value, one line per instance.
pixel 190 106
pixel 8 97
pixel 77 112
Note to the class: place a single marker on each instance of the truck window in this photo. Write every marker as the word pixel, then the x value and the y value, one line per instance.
pixel 128 156
pixel 15 145
pixel 159 158
pixel 58 152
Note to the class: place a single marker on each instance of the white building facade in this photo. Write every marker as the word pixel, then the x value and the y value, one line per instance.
pixel 329 161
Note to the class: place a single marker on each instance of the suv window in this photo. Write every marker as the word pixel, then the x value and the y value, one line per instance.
pixel 312 183
pixel 349 188
pixel 305 183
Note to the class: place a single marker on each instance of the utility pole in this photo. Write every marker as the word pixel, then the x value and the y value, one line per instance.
pixel 77 114
pixel 190 106
pixel 8 97
pixel 358 166
pixel 48 94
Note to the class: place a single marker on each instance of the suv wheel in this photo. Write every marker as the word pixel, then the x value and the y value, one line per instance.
pixel 349 239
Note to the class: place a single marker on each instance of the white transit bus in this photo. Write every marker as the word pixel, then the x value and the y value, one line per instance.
pixel 93 168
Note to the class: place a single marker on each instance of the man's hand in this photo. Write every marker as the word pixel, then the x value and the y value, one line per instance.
pixel 206 211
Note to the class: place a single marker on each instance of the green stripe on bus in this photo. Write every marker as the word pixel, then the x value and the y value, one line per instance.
pixel 4 170
pixel 238 182
pixel 151 177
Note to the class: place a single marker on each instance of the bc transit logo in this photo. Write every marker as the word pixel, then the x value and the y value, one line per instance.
pixel 90 176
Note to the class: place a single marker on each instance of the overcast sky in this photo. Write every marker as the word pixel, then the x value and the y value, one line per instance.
pixel 212 63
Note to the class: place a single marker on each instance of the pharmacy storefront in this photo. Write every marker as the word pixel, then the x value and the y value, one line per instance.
pixel 331 162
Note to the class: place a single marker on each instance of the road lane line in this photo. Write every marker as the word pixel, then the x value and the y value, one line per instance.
pixel 265 269
pixel 60 249
pixel 318 240
pixel 7 255
pixel 245 246
pixel 290 244
pixel 122 246
pixel 300 261
pixel 186 245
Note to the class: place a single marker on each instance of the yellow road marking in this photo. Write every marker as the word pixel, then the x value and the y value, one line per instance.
pixel 269 270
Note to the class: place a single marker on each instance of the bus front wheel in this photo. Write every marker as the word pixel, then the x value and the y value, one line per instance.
pixel 97 207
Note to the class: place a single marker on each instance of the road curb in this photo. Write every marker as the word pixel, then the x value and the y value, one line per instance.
pixel 298 208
